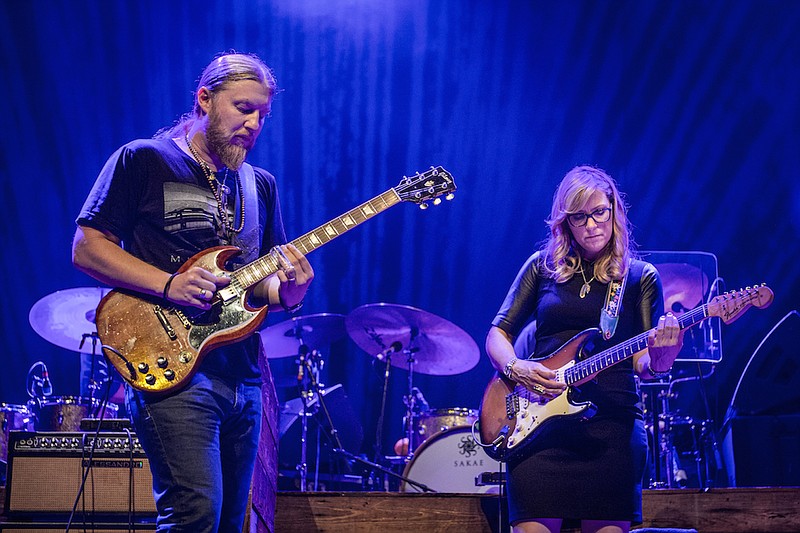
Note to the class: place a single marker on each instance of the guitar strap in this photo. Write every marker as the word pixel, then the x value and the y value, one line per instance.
pixel 609 315
pixel 248 239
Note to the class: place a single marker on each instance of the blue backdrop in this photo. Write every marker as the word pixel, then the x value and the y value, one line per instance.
pixel 691 105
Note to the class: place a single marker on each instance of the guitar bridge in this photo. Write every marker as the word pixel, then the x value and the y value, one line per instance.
pixel 512 405
pixel 164 322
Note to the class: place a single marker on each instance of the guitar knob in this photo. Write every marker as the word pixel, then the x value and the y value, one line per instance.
pixel 169 374
pixel 185 357
pixel 143 367
pixel 150 379
pixel 162 362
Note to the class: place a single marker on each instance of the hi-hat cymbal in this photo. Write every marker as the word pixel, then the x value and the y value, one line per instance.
pixel 66 317
pixel 684 286
pixel 284 339
pixel 438 347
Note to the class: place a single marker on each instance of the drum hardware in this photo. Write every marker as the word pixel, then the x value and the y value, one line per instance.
pixel 431 345
pixel 295 338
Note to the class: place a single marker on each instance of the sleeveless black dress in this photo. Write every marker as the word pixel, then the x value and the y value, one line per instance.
pixel 583 469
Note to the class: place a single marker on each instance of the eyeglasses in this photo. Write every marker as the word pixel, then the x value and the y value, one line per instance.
pixel 578 220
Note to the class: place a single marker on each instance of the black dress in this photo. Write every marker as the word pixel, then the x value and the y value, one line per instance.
pixel 583 469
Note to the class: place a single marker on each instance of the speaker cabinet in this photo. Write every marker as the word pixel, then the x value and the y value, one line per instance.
pixel 45 472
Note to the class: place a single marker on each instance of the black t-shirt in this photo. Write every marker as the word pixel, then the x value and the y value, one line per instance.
pixel 561 314
pixel 157 200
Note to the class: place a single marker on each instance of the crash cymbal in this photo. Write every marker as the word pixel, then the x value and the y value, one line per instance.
pixel 315 331
pixel 439 347
pixel 684 286
pixel 66 317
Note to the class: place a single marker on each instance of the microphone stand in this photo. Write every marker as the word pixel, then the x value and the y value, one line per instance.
pixel 339 448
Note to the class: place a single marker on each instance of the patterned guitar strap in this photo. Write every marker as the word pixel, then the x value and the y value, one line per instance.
pixel 609 315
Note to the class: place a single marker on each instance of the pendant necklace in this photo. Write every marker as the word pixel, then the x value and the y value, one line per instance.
pixel 220 193
pixel 586 287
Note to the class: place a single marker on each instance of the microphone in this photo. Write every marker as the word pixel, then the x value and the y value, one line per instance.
pixel 393 348
pixel 47 387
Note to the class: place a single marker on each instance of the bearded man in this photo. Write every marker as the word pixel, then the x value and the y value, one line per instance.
pixel 156 203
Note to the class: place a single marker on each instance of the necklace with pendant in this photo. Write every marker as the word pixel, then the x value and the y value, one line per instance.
pixel 220 193
pixel 587 285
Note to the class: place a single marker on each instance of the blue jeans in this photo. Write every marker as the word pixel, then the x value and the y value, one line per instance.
pixel 201 443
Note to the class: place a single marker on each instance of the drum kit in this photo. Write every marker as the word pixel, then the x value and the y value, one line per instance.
pixel 66 319
pixel 438 451
pixel 682 449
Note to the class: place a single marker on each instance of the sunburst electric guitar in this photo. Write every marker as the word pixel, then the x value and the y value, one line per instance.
pixel 511 419
pixel 157 346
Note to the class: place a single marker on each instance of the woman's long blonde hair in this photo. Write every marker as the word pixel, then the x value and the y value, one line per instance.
pixel 562 258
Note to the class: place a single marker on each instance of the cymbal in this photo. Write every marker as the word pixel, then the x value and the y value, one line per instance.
pixel 284 339
pixel 65 317
pixel 439 347
pixel 684 286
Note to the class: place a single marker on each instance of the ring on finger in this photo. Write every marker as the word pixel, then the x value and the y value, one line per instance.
pixel 538 388
pixel 202 293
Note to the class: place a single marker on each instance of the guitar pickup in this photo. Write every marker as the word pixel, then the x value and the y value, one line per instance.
pixel 164 322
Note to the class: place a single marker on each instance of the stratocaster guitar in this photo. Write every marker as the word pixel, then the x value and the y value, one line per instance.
pixel 510 419
pixel 157 346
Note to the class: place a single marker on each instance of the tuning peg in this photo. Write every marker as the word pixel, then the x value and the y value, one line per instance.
pixel 449 196
pixel 437 201
pixel 423 206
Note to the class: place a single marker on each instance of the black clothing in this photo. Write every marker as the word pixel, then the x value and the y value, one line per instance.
pixel 592 469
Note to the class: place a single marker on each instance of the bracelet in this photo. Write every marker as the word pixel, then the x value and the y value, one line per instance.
pixel 167 284
pixel 292 309
pixel 658 375
pixel 509 366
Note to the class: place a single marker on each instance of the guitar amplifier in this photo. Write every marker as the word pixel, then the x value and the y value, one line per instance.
pixel 45 472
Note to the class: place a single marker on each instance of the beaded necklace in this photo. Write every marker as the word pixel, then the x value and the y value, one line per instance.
pixel 220 193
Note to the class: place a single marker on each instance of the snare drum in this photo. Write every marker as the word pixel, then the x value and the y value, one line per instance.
pixel 13 418
pixel 450 462
pixel 434 421
pixel 64 413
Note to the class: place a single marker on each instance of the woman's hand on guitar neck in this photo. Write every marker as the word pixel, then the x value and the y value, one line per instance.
pixel 537 378
pixel 664 342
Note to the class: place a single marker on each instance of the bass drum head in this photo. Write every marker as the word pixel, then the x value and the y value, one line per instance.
pixel 450 462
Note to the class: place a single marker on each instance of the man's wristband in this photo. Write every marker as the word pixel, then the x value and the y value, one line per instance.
pixel 165 292
pixel 658 375
pixel 291 309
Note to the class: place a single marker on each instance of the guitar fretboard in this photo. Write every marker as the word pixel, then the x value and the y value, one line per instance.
pixel 594 364
pixel 265 266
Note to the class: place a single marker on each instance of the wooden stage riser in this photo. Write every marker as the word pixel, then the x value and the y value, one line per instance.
pixel 740 510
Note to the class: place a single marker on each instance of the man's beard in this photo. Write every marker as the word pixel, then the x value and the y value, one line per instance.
pixel 227 148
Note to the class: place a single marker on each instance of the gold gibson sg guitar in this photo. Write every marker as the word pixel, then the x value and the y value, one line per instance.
pixel 157 346
pixel 510 420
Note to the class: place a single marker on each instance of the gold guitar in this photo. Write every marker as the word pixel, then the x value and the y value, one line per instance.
pixel 157 346
pixel 511 420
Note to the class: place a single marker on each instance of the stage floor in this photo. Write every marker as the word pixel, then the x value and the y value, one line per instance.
pixel 728 510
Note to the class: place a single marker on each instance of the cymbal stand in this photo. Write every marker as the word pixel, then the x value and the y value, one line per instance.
pixel 382 413
pixel 411 400
pixel 309 364
pixel 93 384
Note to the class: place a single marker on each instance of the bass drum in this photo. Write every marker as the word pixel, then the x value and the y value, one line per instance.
pixel 12 418
pixel 434 421
pixel 64 413
pixel 450 462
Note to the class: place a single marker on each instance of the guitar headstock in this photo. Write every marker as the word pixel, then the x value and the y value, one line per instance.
pixel 428 185
pixel 731 305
